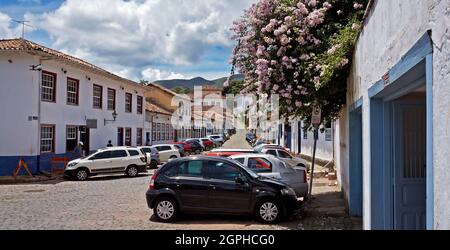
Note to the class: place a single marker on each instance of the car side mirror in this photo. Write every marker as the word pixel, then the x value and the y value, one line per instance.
pixel 239 180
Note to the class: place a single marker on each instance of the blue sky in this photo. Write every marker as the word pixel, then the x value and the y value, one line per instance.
pixel 138 39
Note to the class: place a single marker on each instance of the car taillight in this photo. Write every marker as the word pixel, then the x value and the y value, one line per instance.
pixel 152 180
pixel 305 176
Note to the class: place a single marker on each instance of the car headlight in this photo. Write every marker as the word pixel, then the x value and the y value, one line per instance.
pixel 71 165
pixel 288 191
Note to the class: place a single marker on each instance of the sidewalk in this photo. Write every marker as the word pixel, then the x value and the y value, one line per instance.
pixel 9 180
pixel 327 210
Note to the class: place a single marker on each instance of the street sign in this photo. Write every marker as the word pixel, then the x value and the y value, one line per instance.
pixel 316 118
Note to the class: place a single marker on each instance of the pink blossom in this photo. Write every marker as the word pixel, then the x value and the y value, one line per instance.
pixel 358 6
pixel 327 5
pixel 299 104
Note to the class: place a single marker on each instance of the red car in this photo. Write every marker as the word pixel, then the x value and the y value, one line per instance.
pixel 230 152
pixel 186 146
pixel 208 143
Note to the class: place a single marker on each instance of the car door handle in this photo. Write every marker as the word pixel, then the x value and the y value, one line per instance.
pixel 214 187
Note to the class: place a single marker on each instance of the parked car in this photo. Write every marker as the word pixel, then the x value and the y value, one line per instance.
pixel 155 161
pixel 260 147
pixel 180 149
pixel 203 184
pixel 229 152
pixel 218 138
pixel 272 167
pixel 167 152
pixel 250 137
pixel 209 144
pixel 186 146
pixel 196 148
pixel 285 156
pixel 217 143
pixel 198 141
pixel 128 160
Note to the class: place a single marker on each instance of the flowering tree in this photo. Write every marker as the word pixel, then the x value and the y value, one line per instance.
pixel 300 50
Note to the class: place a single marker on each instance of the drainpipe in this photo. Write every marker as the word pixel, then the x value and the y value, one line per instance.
pixel 38 148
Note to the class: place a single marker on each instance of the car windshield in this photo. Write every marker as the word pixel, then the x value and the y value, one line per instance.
pixel 248 170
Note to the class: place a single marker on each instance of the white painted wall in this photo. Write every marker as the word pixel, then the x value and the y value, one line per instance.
pixel 393 27
pixel 18 136
pixel 324 149
pixel 21 99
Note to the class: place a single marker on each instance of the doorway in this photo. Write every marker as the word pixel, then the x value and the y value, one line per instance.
pixel 409 161
pixel 120 136
pixel 356 163
pixel 85 139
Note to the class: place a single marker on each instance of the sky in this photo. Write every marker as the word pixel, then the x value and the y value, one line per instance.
pixel 136 39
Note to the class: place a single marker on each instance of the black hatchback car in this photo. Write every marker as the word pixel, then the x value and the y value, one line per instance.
pixel 203 184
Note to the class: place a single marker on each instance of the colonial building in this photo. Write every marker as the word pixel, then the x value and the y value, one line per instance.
pixel 159 128
pixel 393 138
pixel 50 101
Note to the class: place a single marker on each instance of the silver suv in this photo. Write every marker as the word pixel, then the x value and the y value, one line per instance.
pixel 128 160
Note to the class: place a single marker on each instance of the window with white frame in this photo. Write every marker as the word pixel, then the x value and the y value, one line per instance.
pixel 47 138
pixel 167 132
pixel 305 134
pixel 72 91
pixel 128 100
pixel 111 99
pixel 139 104
pixel 71 138
pixel 158 129
pixel 97 96
pixel 154 132
pixel 128 137
pixel 48 87
pixel 139 137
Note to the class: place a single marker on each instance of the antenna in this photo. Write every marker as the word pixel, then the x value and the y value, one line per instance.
pixel 24 23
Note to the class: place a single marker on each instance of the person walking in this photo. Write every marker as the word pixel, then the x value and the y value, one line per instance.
pixel 109 144
pixel 79 149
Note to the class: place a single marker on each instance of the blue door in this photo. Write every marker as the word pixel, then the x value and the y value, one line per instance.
pixel 288 136
pixel 356 161
pixel 409 165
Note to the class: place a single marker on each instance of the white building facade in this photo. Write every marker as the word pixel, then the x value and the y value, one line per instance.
pixel 393 139
pixel 45 112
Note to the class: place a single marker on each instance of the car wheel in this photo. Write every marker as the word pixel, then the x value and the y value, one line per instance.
pixel 165 209
pixel 81 174
pixel 132 171
pixel 268 211
pixel 153 164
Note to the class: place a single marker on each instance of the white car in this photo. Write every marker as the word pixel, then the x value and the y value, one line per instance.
pixel 128 160
pixel 271 167
pixel 167 152
pixel 218 138
pixel 285 156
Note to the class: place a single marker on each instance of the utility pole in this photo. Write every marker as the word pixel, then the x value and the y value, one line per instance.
pixel 316 120
pixel 24 23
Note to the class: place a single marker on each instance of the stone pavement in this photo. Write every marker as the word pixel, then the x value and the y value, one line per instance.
pixel 237 141
pixel 118 202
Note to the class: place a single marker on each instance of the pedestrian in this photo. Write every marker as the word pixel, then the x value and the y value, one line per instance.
pixel 79 149
pixel 109 144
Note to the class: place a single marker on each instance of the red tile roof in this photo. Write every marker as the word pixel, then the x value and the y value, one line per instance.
pixel 156 109
pixel 20 44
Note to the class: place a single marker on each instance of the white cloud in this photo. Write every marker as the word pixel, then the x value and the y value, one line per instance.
pixel 151 74
pixel 5 30
pixel 137 33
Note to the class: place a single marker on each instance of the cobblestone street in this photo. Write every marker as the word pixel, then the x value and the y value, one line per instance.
pixel 118 202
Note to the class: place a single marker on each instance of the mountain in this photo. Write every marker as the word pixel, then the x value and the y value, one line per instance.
pixel 197 81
